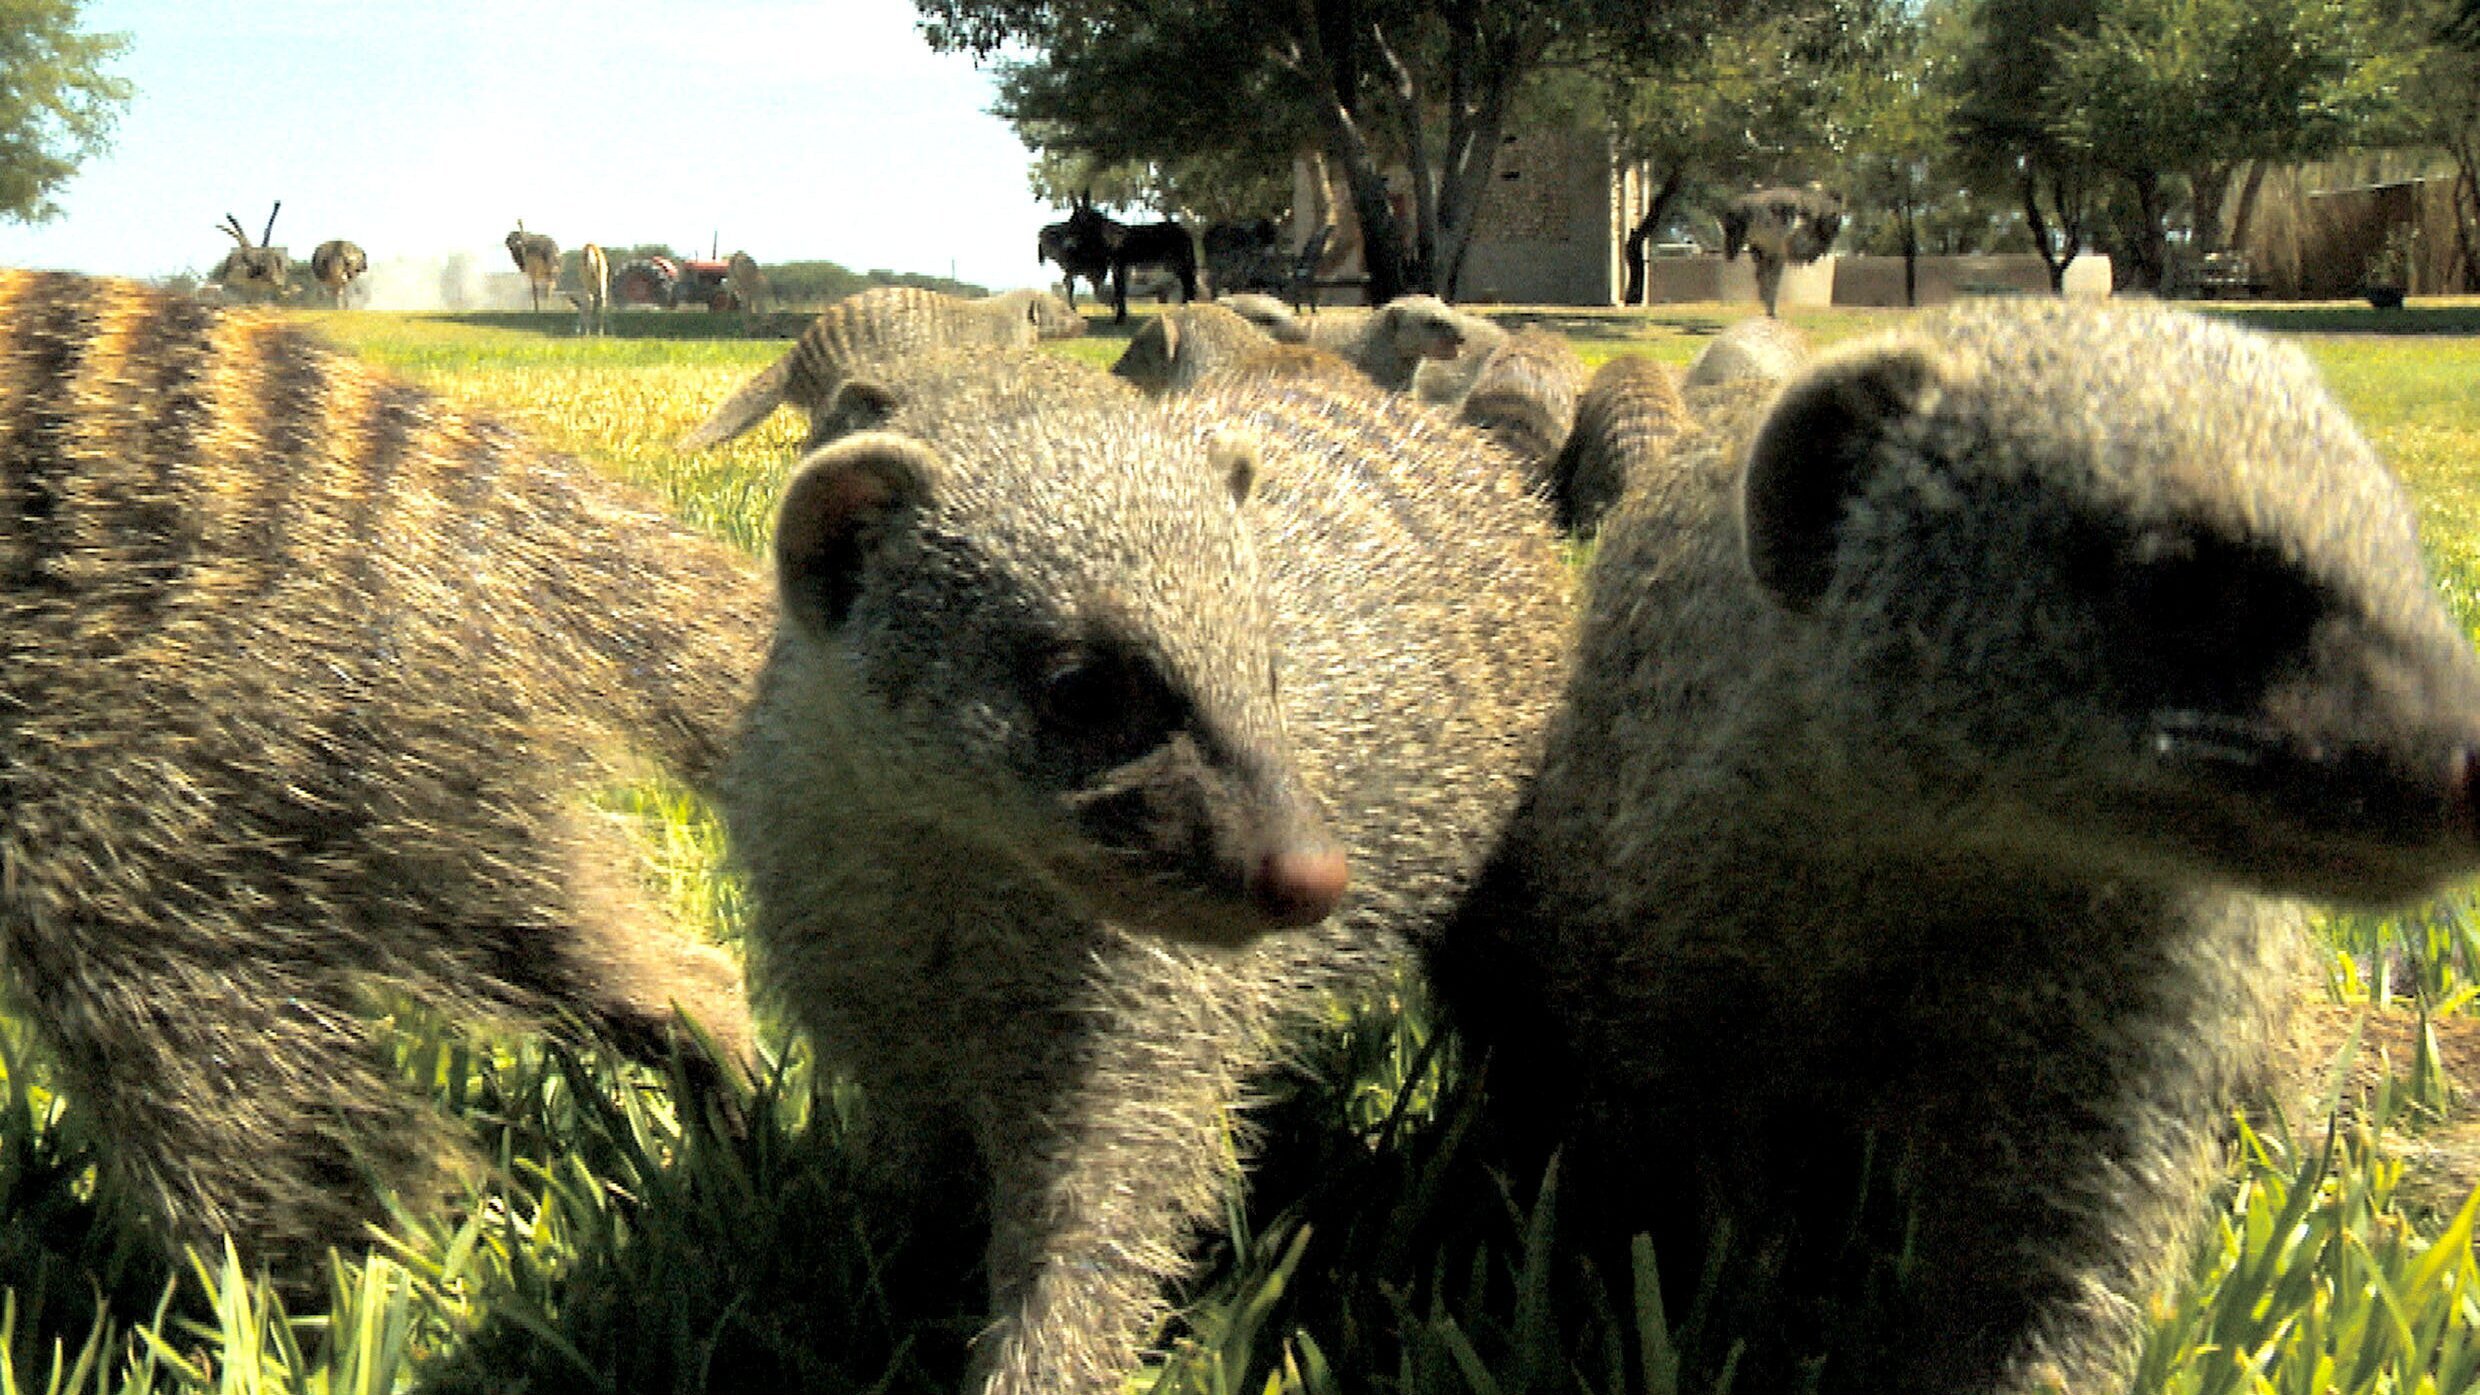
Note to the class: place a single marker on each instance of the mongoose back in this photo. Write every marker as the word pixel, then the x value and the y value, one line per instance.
pixel 1391 342
pixel 1759 346
pixel 1268 313
pixel 1934 765
pixel 1523 396
pixel 1171 351
pixel 301 675
pixel 1080 710
pixel 1630 414
pixel 873 326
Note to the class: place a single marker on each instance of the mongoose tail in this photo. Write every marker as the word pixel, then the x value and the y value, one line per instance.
pixel 743 410
pixel 881 325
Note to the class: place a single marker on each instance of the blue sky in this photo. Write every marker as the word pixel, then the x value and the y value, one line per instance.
pixel 816 129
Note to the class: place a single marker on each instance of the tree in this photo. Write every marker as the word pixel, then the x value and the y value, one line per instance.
pixel 1721 110
pixel 2005 131
pixel 1898 104
pixel 2163 92
pixel 57 104
pixel 1421 85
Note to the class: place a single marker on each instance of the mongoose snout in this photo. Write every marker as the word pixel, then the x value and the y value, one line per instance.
pixel 1297 887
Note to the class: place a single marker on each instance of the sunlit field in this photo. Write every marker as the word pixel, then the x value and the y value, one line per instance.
pixel 643 1233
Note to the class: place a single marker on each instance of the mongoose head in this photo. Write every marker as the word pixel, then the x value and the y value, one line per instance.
pixel 1050 316
pixel 1424 327
pixel 1177 347
pixel 1039 613
pixel 2123 587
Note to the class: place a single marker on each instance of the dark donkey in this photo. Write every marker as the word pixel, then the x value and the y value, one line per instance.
pixel 1092 241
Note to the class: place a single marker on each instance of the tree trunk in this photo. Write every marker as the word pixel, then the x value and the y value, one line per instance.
pixel 1655 212
pixel 1905 218
pixel 1481 77
pixel 1325 32
pixel 2052 259
pixel 2142 236
pixel 2466 153
pixel 2243 218
pixel 2209 190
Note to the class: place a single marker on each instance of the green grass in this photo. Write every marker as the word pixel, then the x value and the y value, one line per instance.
pixel 646 1231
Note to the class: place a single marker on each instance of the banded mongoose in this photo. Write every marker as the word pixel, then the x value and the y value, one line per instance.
pixel 1758 346
pixel 1080 711
pixel 302 674
pixel 1268 313
pixel 1933 767
pixel 1524 397
pixel 1391 342
pixel 872 326
pixel 1630 414
pixel 1171 351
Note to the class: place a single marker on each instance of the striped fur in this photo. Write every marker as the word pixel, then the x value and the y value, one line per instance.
pixel 1630 416
pixel 1382 621
pixel 1524 397
pixel 1393 342
pixel 300 674
pixel 1171 351
pixel 876 326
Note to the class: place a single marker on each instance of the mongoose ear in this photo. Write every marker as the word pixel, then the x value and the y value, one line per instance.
pixel 1237 456
pixel 858 405
pixel 835 513
pixel 1809 457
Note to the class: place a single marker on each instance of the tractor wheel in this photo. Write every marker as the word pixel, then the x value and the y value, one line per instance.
pixel 638 285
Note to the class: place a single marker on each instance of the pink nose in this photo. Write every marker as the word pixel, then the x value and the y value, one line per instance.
pixel 1293 889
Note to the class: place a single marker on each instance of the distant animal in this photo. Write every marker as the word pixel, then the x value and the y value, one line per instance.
pixel 1101 741
pixel 1908 882
pixel 538 257
pixel 1630 418
pixel 337 264
pixel 1090 237
pixel 304 674
pixel 1173 350
pixel 1078 250
pixel 875 327
pixel 1781 227
pixel 748 284
pixel 593 294
pixel 254 271
pixel 1245 255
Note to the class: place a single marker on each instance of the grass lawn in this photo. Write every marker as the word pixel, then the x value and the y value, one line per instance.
pixel 629 1243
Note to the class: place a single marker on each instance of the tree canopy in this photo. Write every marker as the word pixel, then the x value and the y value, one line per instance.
pixel 1421 86
pixel 57 104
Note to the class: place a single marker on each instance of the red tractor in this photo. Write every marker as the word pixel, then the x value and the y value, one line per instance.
pixel 673 283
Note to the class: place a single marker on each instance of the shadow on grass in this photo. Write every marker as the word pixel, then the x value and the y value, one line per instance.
pixel 2338 317
pixel 643 324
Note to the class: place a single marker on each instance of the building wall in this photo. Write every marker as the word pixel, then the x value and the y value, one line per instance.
pixel 1879 280
pixel 1543 233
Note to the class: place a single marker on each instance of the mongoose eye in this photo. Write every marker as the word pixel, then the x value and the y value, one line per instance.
pixel 2218 617
pixel 1109 707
